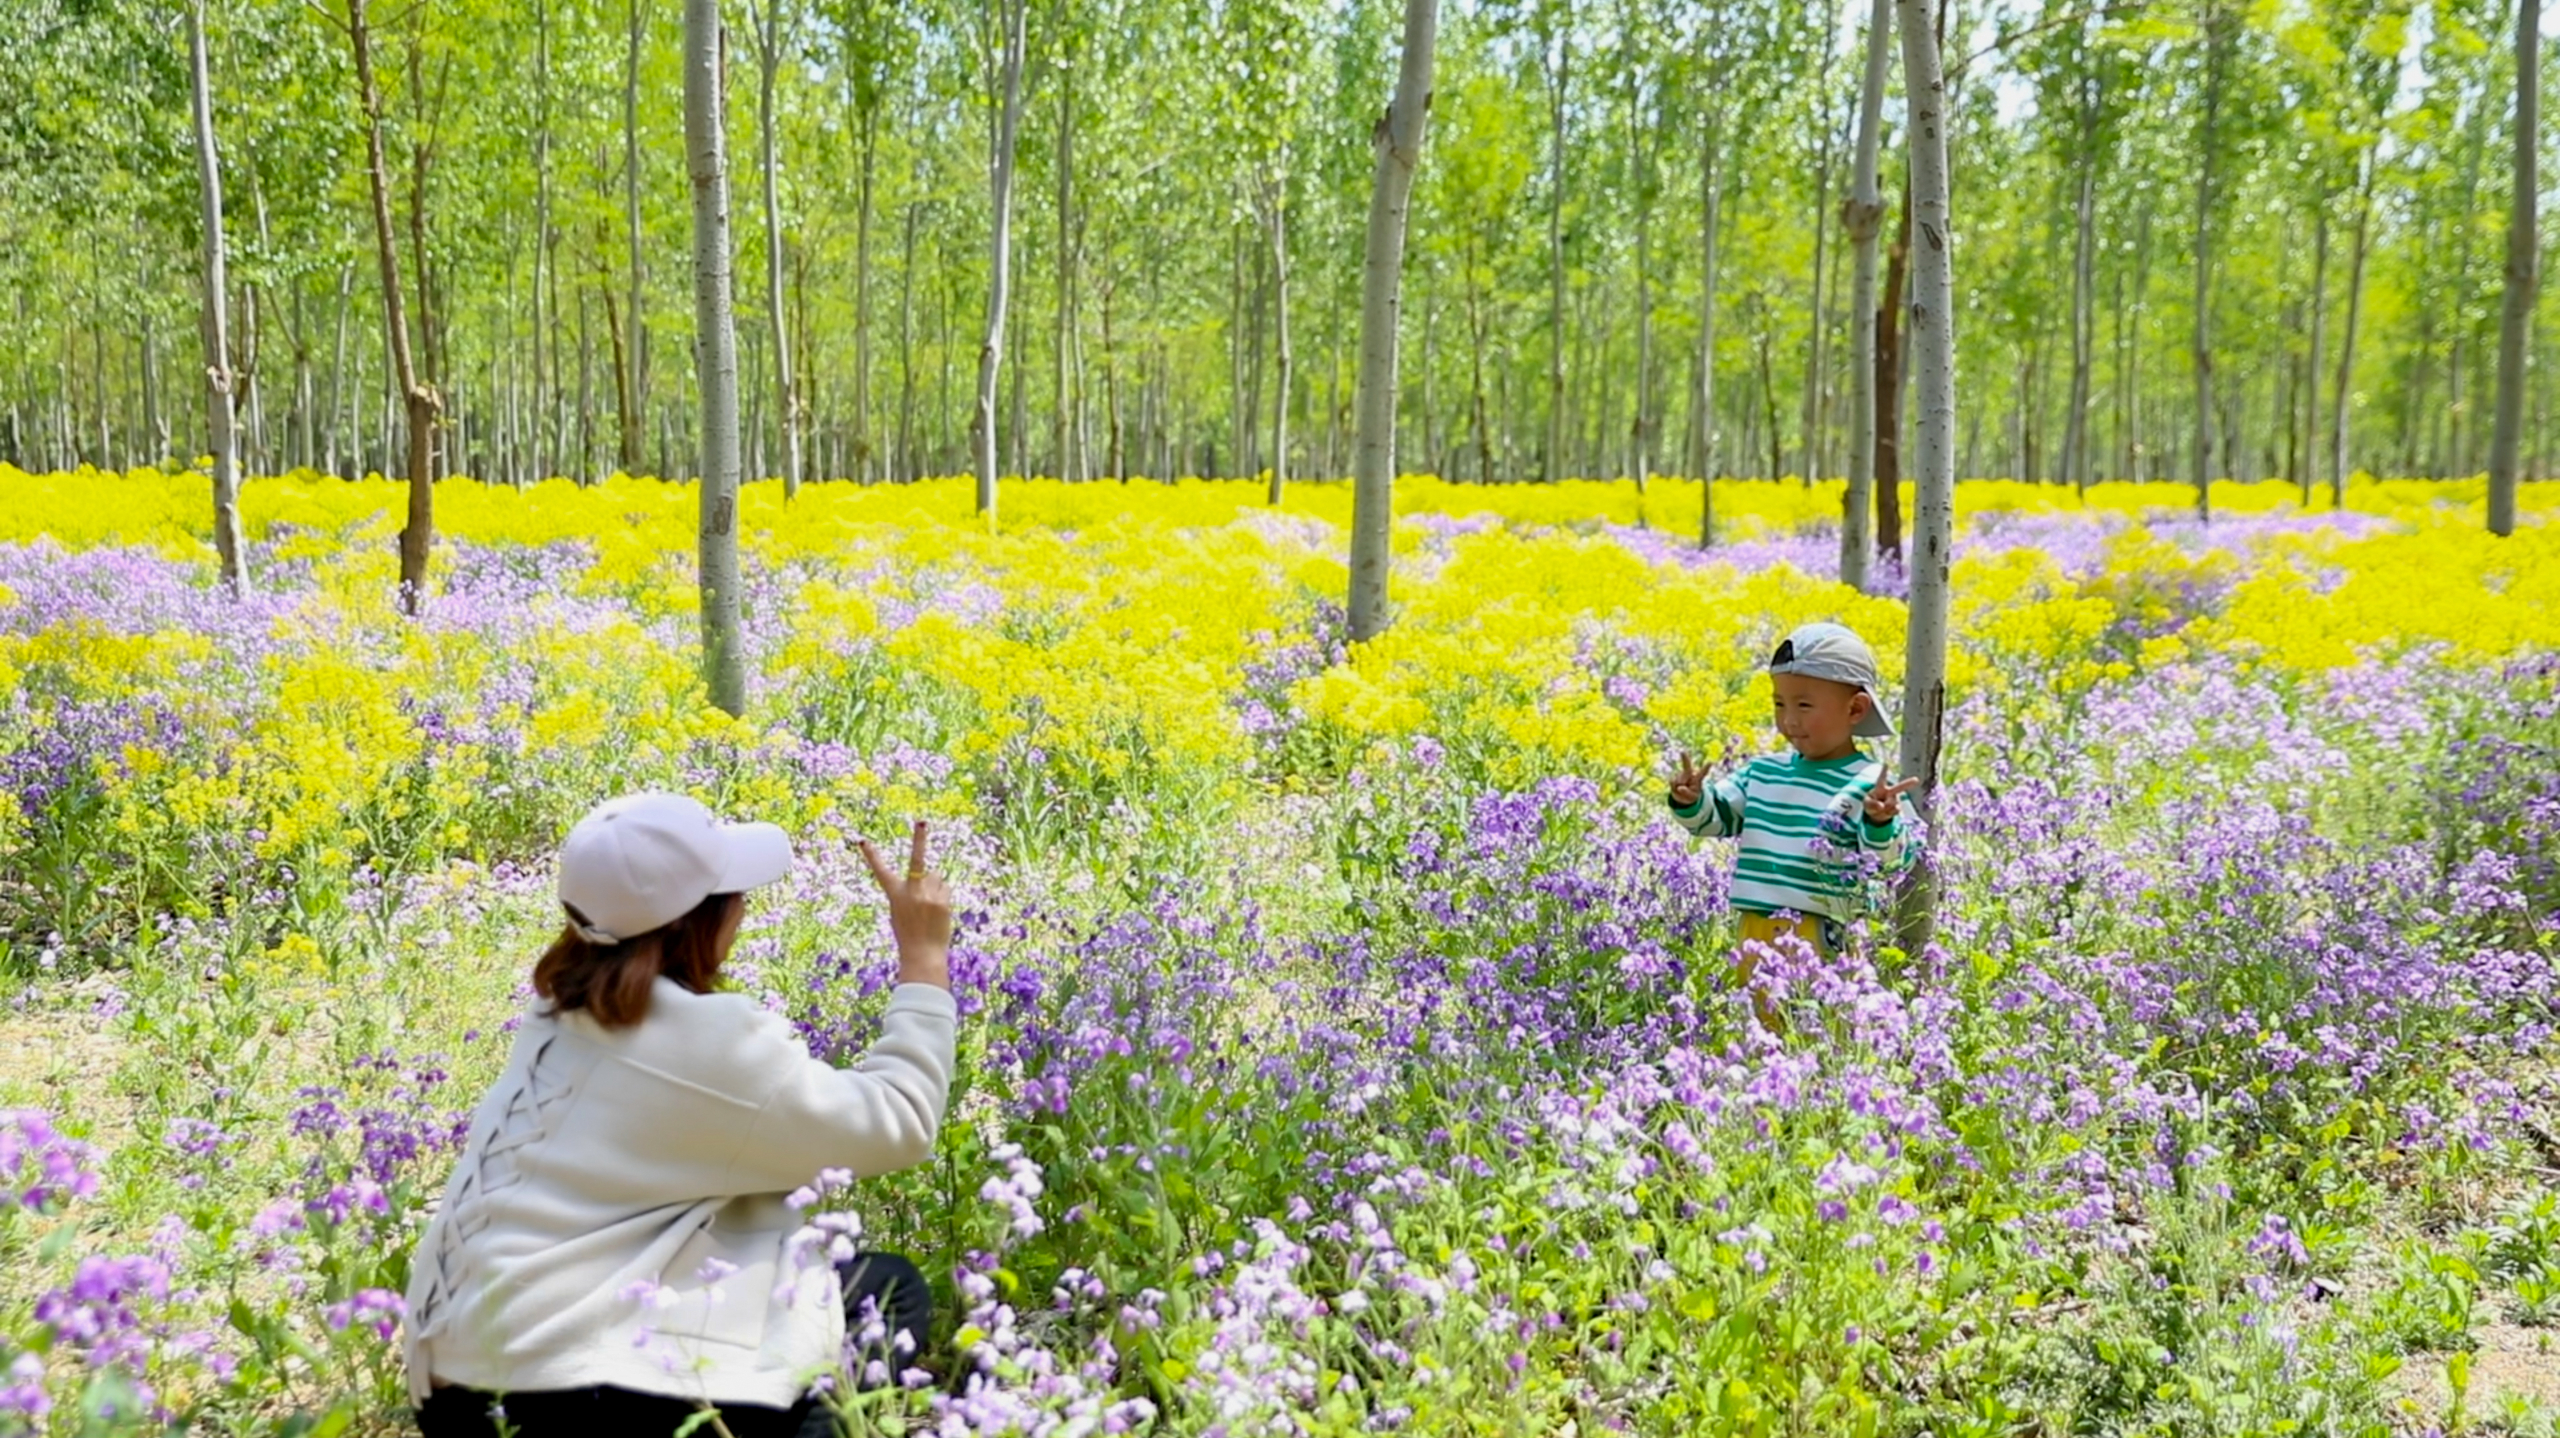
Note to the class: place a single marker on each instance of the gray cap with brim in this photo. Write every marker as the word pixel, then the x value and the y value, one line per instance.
pixel 1835 652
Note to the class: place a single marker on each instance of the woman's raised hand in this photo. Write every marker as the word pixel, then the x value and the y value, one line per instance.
pixel 919 914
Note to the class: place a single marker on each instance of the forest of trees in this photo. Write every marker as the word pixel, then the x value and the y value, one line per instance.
pixel 1631 248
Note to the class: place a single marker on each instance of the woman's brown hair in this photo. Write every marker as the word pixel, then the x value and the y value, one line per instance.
pixel 611 981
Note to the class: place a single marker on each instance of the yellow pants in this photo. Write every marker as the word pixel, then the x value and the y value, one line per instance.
pixel 1768 928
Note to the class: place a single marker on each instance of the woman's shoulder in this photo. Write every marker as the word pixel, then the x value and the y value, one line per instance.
pixel 701 1037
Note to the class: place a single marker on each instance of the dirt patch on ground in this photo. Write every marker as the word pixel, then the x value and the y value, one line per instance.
pixel 64 1060
pixel 2513 1364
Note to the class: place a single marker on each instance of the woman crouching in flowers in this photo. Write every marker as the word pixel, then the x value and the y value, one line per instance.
pixel 620 1245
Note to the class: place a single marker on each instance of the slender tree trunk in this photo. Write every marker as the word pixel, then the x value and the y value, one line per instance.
pixel 417 536
pixel 1011 17
pixel 715 349
pixel 2084 287
pixel 1639 144
pixel 1061 415
pixel 2515 320
pixel 217 337
pixel 635 409
pixel 1863 216
pixel 1114 457
pixel 2207 144
pixel 1558 76
pixel 1017 428
pixel 1398 142
pixel 907 468
pixel 786 399
pixel 1809 448
pixel 1478 413
pixel 155 421
pixel 1284 360
pixel 1710 195
pixel 1889 363
pixel 585 467
pixel 342 397
pixel 2318 349
pixel 2342 413
pixel 862 443
pixel 1933 336
pixel 2449 450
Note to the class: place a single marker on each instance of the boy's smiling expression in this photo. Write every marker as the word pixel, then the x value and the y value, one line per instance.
pixel 1818 716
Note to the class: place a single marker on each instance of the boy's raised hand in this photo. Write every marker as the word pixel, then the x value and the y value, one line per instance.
pixel 1688 781
pixel 1884 801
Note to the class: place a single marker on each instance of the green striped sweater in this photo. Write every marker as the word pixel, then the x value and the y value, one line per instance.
pixel 1779 805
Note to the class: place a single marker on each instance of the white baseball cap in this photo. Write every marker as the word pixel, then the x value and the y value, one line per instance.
pixel 643 861
pixel 1835 652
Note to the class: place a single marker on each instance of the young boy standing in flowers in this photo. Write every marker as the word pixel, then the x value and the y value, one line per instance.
pixel 1813 818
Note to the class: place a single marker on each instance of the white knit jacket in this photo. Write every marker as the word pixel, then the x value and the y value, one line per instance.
pixel 607 1163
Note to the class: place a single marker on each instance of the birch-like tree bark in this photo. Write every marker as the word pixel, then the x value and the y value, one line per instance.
pixel 417 535
pixel 1862 214
pixel 1933 342
pixel 2084 289
pixel 635 413
pixel 2342 410
pixel 2208 143
pixel 1398 141
pixel 1276 220
pixel 2317 344
pixel 1012 16
pixel 217 328
pixel 1559 67
pixel 785 398
pixel 1062 410
pixel 2515 323
pixel 541 462
pixel 715 353
pixel 1709 195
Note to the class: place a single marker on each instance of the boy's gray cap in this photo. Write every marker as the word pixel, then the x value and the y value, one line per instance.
pixel 1835 652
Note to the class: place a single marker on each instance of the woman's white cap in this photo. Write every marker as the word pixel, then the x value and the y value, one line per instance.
pixel 643 861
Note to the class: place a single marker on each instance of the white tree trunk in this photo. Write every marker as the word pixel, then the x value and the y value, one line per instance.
pixel 715 353
pixel 1062 411
pixel 2208 143
pixel 2317 344
pixel 1933 467
pixel 2343 408
pixel 541 463
pixel 1557 79
pixel 2515 325
pixel 2084 297
pixel 1285 360
pixel 217 335
pixel 1000 268
pixel 1709 192
pixel 1864 215
pixel 1399 145
pixel 635 413
pixel 785 398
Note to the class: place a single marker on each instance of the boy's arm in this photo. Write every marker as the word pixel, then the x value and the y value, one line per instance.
pixel 1719 808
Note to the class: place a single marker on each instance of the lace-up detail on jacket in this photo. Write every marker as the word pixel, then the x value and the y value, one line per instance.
pixel 520 1111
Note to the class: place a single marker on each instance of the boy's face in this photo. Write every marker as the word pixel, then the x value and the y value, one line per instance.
pixel 1818 716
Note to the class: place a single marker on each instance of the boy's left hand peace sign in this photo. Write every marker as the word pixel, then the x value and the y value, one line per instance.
pixel 1884 801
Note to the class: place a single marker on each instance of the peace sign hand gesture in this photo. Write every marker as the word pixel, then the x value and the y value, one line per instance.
pixel 1688 781
pixel 1884 801
pixel 919 914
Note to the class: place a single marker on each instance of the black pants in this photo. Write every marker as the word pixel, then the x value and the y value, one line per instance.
pixel 893 1283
